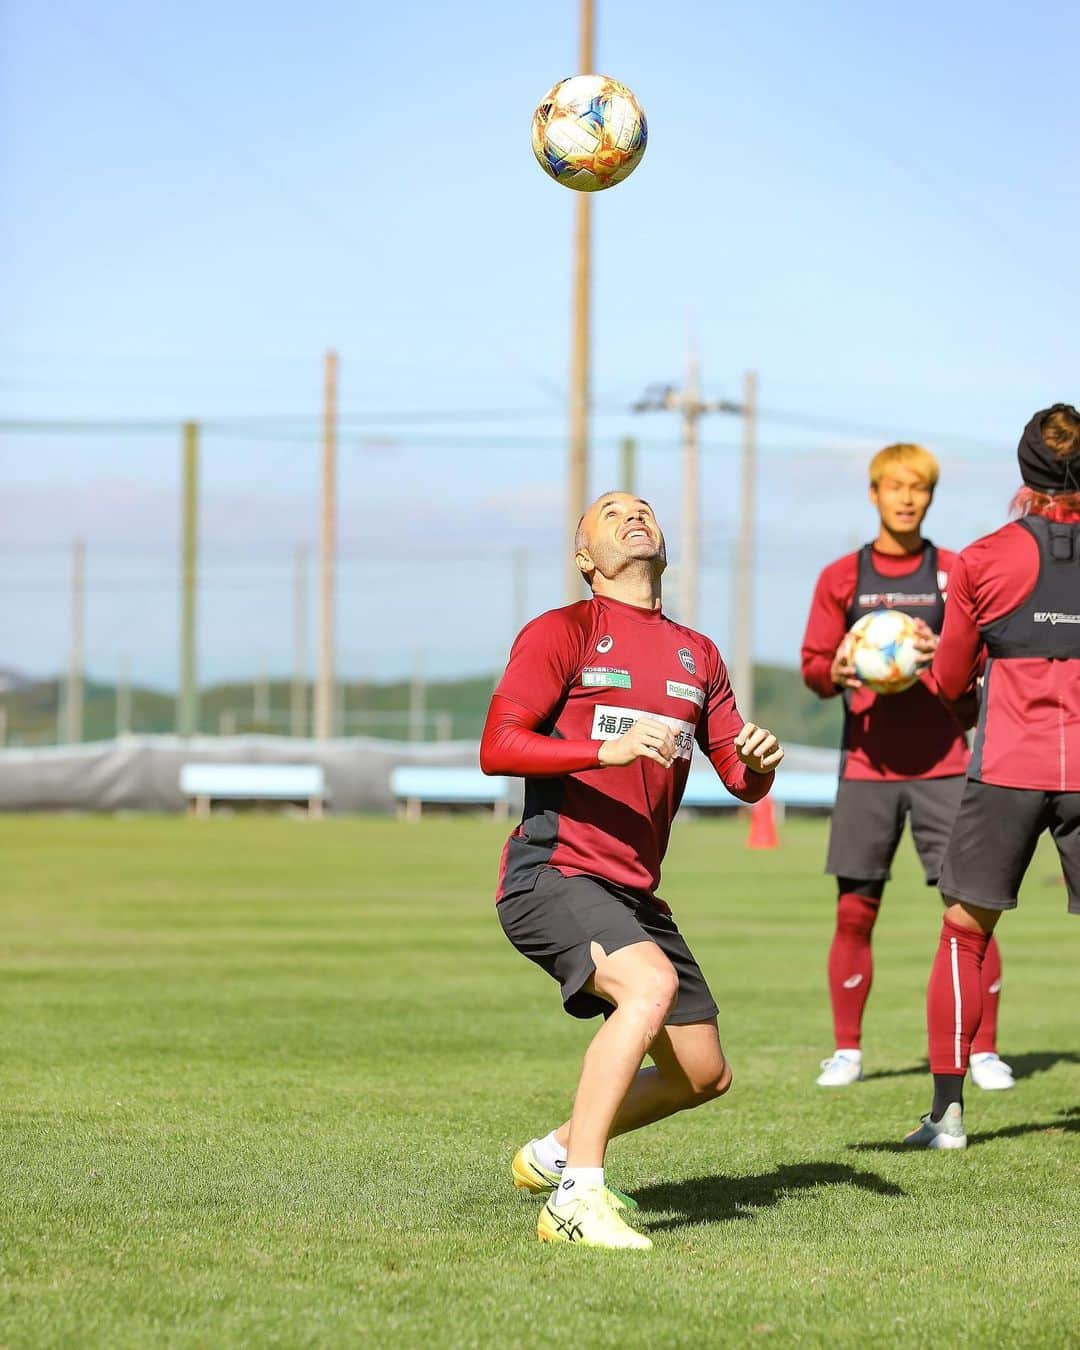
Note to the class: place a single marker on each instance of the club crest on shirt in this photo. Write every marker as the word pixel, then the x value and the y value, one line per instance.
pixel 943 582
pixel 605 644
pixel 686 656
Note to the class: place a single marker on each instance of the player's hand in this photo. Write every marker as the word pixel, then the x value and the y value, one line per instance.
pixel 758 749
pixel 842 670
pixel 926 641
pixel 646 739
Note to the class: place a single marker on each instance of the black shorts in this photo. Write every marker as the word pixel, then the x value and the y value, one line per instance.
pixel 994 839
pixel 556 922
pixel 868 820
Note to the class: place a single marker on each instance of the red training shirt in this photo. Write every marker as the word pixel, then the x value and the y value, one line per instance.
pixel 1031 725
pixel 898 736
pixel 584 674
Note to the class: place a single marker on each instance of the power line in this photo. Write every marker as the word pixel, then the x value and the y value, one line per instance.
pixel 305 429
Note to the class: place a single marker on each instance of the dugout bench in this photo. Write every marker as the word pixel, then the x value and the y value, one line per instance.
pixel 298 784
pixel 415 786
pixel 801 789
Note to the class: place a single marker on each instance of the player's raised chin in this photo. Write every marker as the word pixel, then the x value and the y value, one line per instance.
pixel 758 748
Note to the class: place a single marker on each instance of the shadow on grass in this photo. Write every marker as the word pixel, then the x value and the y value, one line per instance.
pixel 1068 1123
pixel 721 1199
pixel 911 1072
pixel 1023 1066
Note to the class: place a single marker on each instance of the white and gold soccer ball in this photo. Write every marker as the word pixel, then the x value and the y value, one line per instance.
pixel 882 648
pixel 589 132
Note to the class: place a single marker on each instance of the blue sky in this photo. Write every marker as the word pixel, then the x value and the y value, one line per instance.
pixel 872 207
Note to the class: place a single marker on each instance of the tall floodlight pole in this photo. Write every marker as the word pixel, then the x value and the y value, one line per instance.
pixel 744 582
pixel 324 680
pixel 73 704
pixel 298 695
pixel 577 483
pixel 187 713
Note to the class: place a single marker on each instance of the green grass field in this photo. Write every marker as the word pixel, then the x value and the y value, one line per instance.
pixel 262 1079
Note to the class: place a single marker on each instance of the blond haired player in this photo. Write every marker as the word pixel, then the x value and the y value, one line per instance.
pixel 904 755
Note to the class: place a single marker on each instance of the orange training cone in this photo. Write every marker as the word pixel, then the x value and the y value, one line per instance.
pixel 762 825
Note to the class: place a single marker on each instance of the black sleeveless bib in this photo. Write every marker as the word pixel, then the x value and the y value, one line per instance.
pixel 1047 623
pixel 918 594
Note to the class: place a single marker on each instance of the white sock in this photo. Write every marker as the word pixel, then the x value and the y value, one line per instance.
pixel 550 1154
pixel 849 1054
pixel 578 1179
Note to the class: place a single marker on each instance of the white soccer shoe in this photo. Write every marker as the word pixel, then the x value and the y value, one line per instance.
pixel 990 1072
pixel 840 1070
pixel 948 1132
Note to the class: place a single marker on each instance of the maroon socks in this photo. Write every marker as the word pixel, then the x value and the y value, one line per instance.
pixel 954 997
pixel 985 1039
pixel 851 966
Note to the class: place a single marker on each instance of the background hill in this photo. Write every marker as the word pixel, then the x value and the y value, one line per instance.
pixel 443 710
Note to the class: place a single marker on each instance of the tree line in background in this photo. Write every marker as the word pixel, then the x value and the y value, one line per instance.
pixel 401 710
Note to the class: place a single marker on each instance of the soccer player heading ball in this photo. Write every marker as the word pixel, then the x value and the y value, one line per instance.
pixel 1015 599
pixel 903 755
pixel 598 711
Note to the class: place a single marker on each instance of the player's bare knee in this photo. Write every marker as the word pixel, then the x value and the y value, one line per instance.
pixel 707 1087
pixel 659 990
pixel 650 1002
pixel 647 983
pixel 723 1083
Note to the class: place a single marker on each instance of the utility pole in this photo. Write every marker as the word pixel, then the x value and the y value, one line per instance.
pixel 688 402
pixel 520 563
pixel 260 696
pixel 73 704
pixel 123 697
pixel 577 484
pixel 690 554
pixel 298 694
pixel 628 464
pixel 417 699
pixel 324 681
pixel 743 668
pixel 187 717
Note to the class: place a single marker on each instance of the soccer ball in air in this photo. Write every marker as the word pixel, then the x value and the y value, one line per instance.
pixel 883 651
pixel 589 132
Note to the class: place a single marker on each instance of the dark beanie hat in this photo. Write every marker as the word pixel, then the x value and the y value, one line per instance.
pixel 1040 468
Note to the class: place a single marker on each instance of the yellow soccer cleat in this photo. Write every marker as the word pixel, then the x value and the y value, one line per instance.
pixel 530 1176
pixel 590 1220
